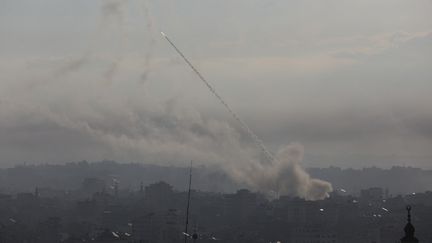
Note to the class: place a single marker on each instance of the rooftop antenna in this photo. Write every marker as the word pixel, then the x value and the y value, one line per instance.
pixel 188 204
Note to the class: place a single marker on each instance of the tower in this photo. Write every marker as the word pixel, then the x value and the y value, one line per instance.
pixel 141 188
pixel 188 205
pixel 409 230
pixel 36 192
pixel 116 188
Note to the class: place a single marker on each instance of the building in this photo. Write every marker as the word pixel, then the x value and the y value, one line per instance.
pixel 409 230
pixel 372 195
pixel 157 227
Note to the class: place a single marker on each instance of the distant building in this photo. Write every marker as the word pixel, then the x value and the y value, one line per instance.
pixel 237 207
pixel 409 230
pixel 25 197
pixel 159 196
pixel 312 233
pixel 93 185
pixel 157 227
pixel 49 230
pixel 372 195
pixel 158 190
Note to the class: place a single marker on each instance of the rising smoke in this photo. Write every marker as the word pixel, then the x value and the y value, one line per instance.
pixel 112 29
pixel 165 133
pixel 112 20
pixel 154 131
pixel 148 55
pixel 114 15
pixel 283 174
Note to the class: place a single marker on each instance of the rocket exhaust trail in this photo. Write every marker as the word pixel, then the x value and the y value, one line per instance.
pixel 251 134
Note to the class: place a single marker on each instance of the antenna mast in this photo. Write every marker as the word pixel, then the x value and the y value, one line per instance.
pixel 188 203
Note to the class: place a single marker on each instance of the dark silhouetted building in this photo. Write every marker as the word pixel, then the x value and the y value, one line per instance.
pixel 409 230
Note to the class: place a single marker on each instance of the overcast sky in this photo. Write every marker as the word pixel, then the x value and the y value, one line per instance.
pixel 93 79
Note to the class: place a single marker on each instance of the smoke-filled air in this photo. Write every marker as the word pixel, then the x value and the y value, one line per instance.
pixel 254 89
pixel 215 121
pixel 284 176
pixel 281 175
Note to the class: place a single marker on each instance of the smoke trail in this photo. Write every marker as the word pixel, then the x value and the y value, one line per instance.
pixel 73 65
pixel 282 174
pixel 111 29
pixel 112 70
pixel 113 10
pixel 151 30
pixel 114 13
pixel 253 136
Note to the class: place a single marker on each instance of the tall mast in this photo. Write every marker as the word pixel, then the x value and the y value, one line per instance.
pixel 188 203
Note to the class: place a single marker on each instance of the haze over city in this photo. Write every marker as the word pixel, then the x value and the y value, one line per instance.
pixel 247 121
pixel 93 80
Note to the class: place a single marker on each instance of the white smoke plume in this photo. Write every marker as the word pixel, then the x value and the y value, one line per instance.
pixel 166 133
pixel 100 123
pixel 284 176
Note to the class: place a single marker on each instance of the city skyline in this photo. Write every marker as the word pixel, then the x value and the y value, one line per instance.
pixel 94 80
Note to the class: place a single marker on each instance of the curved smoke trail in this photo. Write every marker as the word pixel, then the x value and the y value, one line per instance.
pixel 151 30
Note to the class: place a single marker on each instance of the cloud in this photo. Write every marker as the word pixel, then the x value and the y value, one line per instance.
pixel 167 133
pixel 301 78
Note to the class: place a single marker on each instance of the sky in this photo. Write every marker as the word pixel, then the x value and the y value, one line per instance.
pixel 349 80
